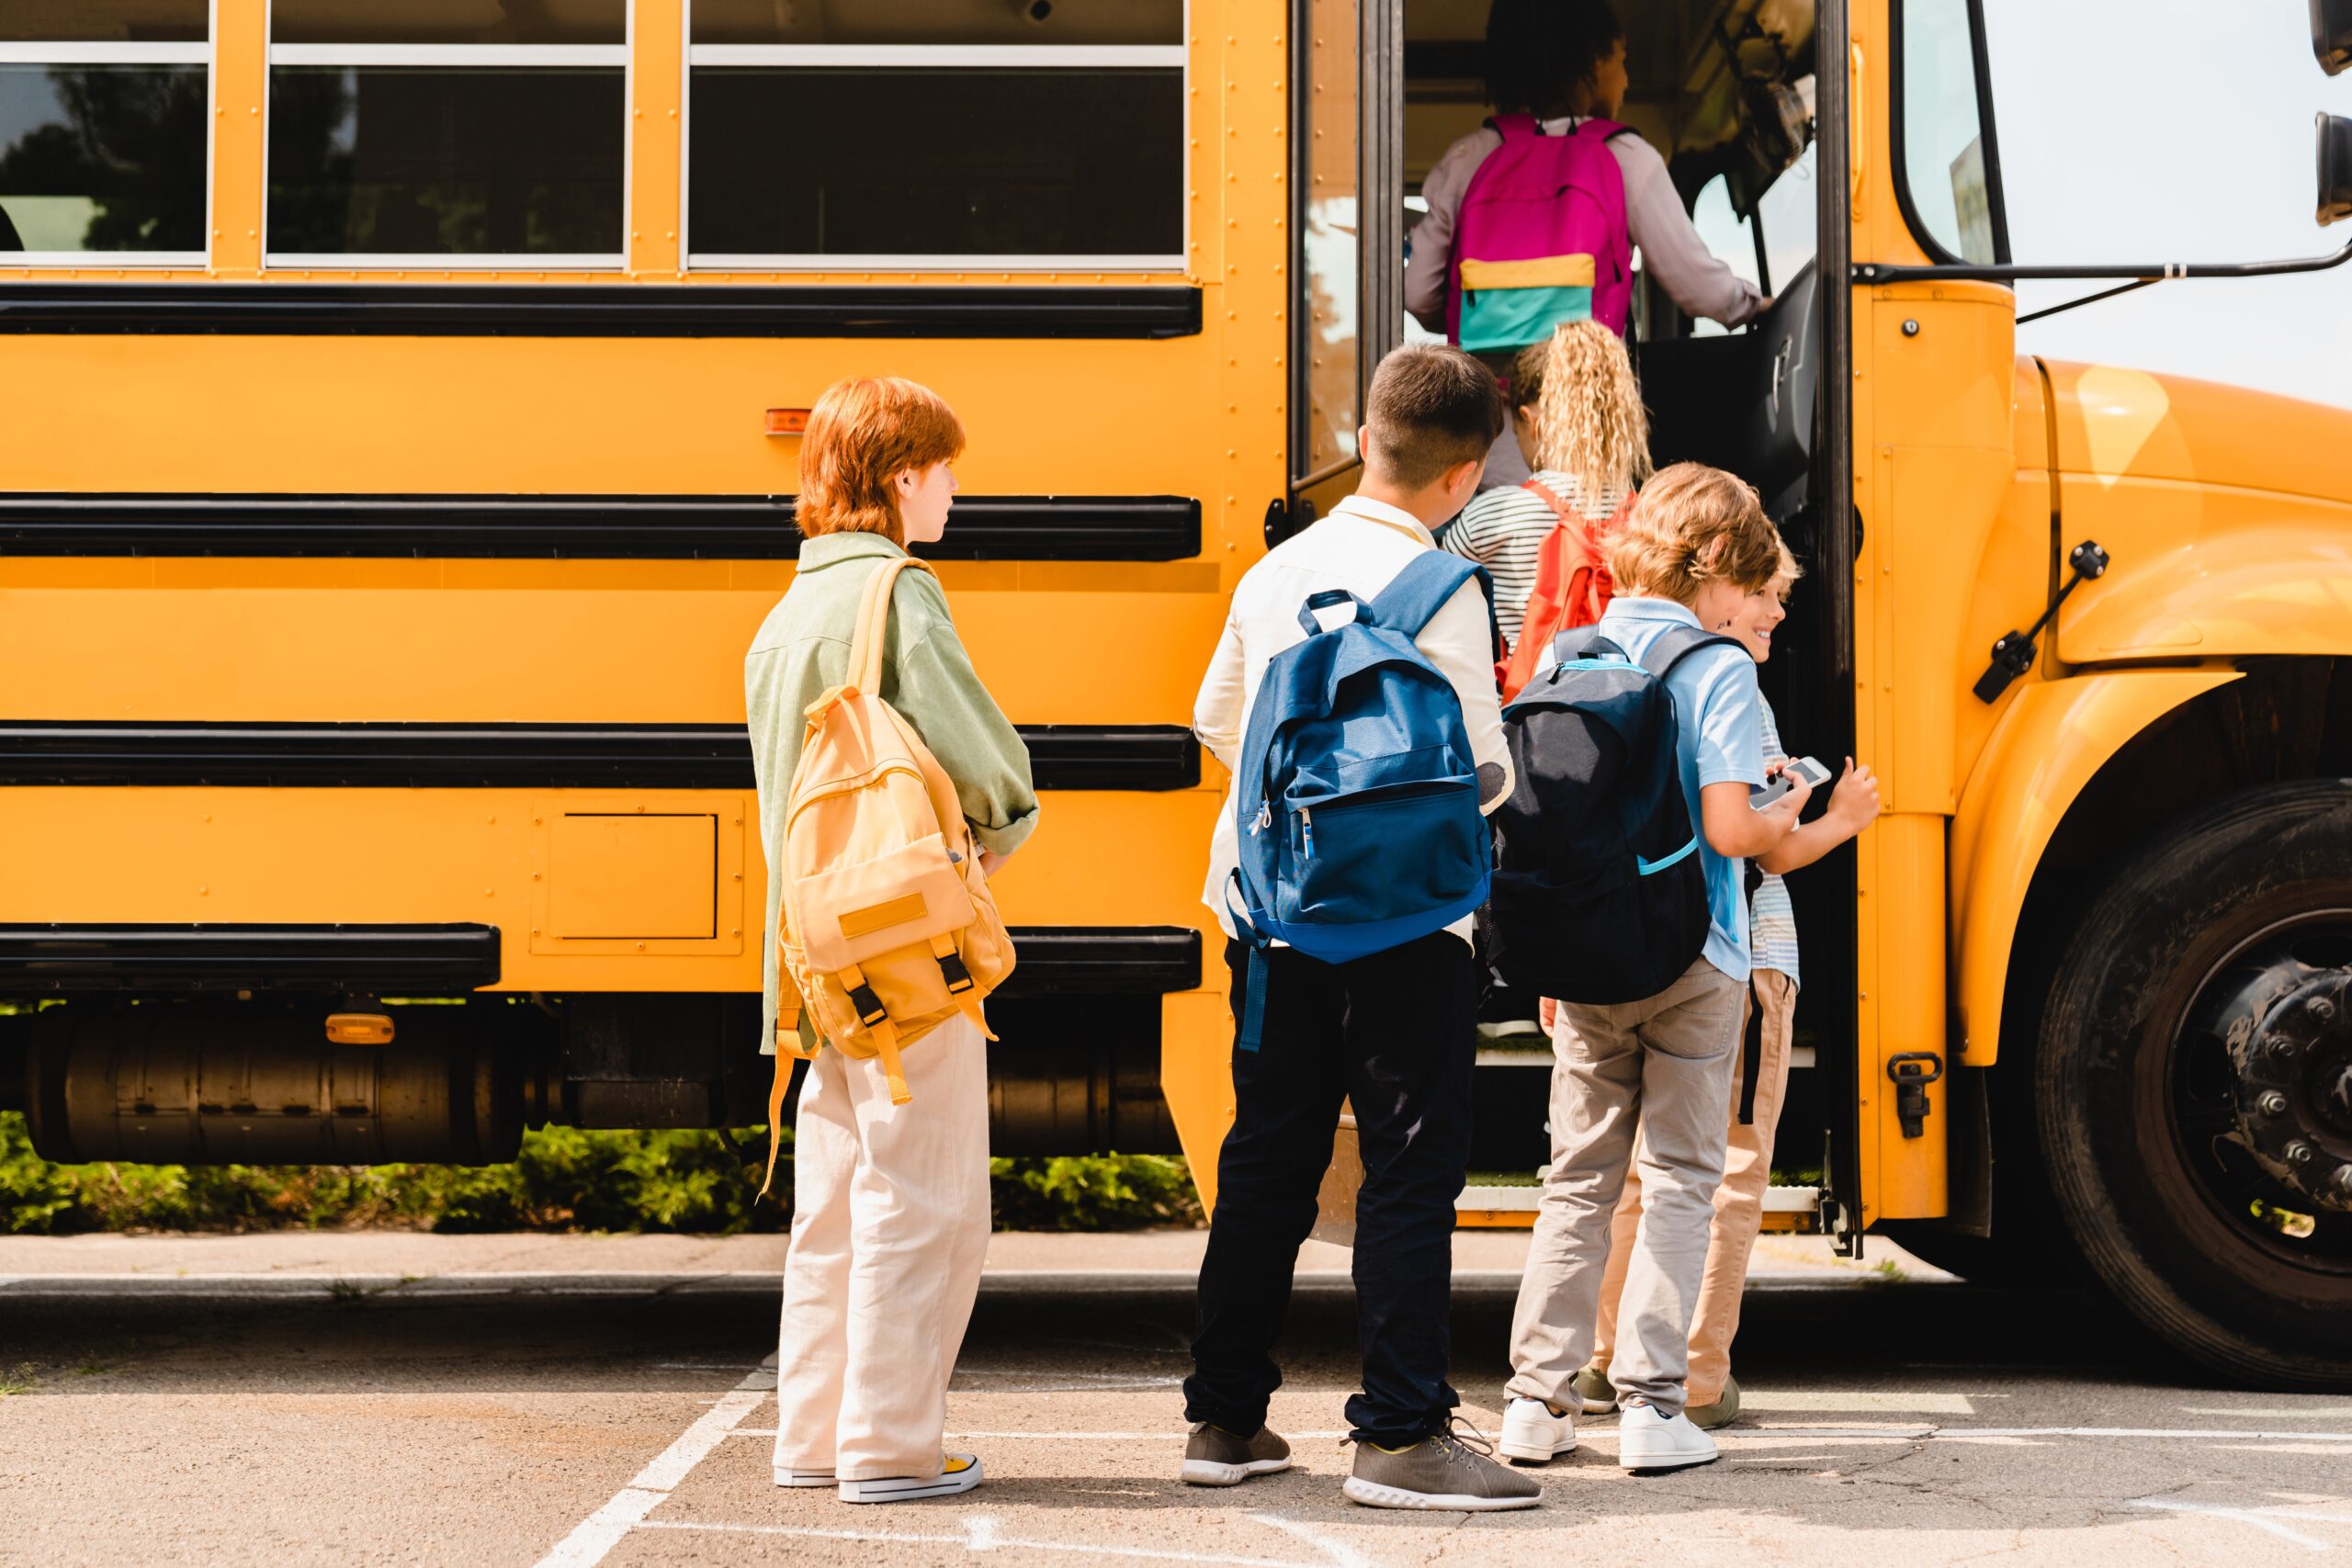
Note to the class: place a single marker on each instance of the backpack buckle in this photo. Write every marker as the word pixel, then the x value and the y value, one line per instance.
pixel 870 1010
pixel 959 978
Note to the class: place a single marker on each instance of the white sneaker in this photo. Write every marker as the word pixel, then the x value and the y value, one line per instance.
pixel 957 1472
pixel 788 1477
pixel 1648 1440
pixel 1534 1432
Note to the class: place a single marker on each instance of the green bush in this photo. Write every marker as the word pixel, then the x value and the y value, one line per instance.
pixel 564 1179
pixel 1093 1193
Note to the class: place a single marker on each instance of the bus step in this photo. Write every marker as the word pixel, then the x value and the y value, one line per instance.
pixel 1502 1206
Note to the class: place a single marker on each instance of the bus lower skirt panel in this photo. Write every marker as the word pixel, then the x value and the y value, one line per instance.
pixel 195 1080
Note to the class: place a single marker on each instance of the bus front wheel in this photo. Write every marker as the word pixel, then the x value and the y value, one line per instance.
pixel 2193 1086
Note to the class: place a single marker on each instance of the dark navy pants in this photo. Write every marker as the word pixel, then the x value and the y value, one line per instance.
pixel 1395 1034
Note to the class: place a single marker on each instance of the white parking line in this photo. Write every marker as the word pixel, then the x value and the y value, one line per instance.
pixel 980 1535
pixel 1920 1433
pixel 597 1534
pixel 2260 1519
pixel 1339 1553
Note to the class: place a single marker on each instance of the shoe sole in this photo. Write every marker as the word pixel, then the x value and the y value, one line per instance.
pixel 1209 1472
pixel 1595 1406
pixel 1533 1453
pixel 1660 1464
pixel 910 1489
pixel 1371 1495
pixel 806 1478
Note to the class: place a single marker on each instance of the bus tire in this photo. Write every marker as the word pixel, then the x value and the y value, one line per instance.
pixel 2139 1139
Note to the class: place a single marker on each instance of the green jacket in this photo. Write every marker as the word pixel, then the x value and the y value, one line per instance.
pixel 802 652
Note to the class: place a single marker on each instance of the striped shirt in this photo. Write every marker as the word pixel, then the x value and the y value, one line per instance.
pixel 1503 531
pixel 1771 919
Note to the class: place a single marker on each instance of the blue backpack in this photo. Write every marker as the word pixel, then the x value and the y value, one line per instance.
pixel 1357 803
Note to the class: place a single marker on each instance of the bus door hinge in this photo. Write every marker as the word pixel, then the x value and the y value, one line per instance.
pixel 1913 1071
pixel 2013 654
pixel 1285 518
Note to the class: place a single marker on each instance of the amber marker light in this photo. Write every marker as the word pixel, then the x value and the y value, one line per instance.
pixel 788 422
pixel 359 1029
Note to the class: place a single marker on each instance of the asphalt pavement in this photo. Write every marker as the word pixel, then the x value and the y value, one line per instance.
pixel 405 1399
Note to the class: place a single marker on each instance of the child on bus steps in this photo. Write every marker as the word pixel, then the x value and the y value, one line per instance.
pixel 1760 1080
pixel 1576 412
pixel 1697 554
pixel 891 1215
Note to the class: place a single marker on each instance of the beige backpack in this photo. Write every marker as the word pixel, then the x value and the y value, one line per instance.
pixel 887 927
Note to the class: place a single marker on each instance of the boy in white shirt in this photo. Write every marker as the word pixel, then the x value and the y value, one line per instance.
pixel 1394 1032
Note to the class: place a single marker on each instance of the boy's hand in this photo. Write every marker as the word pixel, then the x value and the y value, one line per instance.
pixel 1854 802
pixel 1547 1011
pixel 991 860
pixel 1785 811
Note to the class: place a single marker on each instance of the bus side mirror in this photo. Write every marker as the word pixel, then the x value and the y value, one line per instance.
pixel 2331 34
pixel 2334 168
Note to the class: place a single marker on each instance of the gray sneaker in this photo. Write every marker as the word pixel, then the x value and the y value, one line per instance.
pixel 1439 1472
pixel 1722 1412
pixel 1215 1457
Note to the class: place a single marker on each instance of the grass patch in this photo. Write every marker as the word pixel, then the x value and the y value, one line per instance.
pixel 18 1380
pixel 565 1179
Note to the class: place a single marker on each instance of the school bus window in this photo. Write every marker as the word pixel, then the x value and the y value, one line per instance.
pixel 1790 220
pixel 102 132
pixel 1326 375
pixel 1945 161
pixel 1729 233
pixel 930 132
pixel 447 132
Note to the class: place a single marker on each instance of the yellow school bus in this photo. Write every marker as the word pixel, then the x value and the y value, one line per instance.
pixel 398 452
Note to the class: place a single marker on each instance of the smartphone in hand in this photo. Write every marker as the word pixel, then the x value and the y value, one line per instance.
pixel 1764 795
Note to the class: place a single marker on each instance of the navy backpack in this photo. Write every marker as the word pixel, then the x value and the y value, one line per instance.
pixel 1357 800
pixel 1600 896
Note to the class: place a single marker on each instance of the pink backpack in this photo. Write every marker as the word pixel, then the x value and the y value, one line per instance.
pixel 1541 238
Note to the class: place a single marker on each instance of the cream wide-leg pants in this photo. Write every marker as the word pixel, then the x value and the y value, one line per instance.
pixel 889 1226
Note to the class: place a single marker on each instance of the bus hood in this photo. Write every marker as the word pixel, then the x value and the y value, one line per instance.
pixel 2226 512
pixel 2114 422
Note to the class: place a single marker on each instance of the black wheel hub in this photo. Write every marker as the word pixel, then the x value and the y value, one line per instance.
pixel 2288 1027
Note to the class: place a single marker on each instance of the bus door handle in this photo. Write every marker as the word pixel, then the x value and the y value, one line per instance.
pixel 1913 1071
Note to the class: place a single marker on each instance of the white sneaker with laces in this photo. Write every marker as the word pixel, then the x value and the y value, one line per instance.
pixel 1534 1432
pixel 957 1472
pixel 1648 1440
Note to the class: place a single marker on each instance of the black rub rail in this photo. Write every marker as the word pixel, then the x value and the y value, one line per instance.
pixel 665 527
pixel 557 756
pixel 1054 960
pixel 76 957
pixel 634 310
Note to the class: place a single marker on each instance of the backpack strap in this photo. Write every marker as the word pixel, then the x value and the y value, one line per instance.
pixel 1516 126
pixel 1416 593
pixel 1677 643
pixel 1586 642
pixel 874 624
pixel 1327 599
pixel 879 1026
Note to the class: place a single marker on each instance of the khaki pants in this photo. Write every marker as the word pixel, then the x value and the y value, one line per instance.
pixel 1664 1063
pixel 1739 1206
pixel 889 1226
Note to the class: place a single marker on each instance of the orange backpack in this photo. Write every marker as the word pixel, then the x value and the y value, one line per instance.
pixel 888 928
pixel 1572 585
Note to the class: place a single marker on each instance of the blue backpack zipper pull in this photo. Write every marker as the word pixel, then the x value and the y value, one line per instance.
pixel 1306 830
pixel 1265 818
